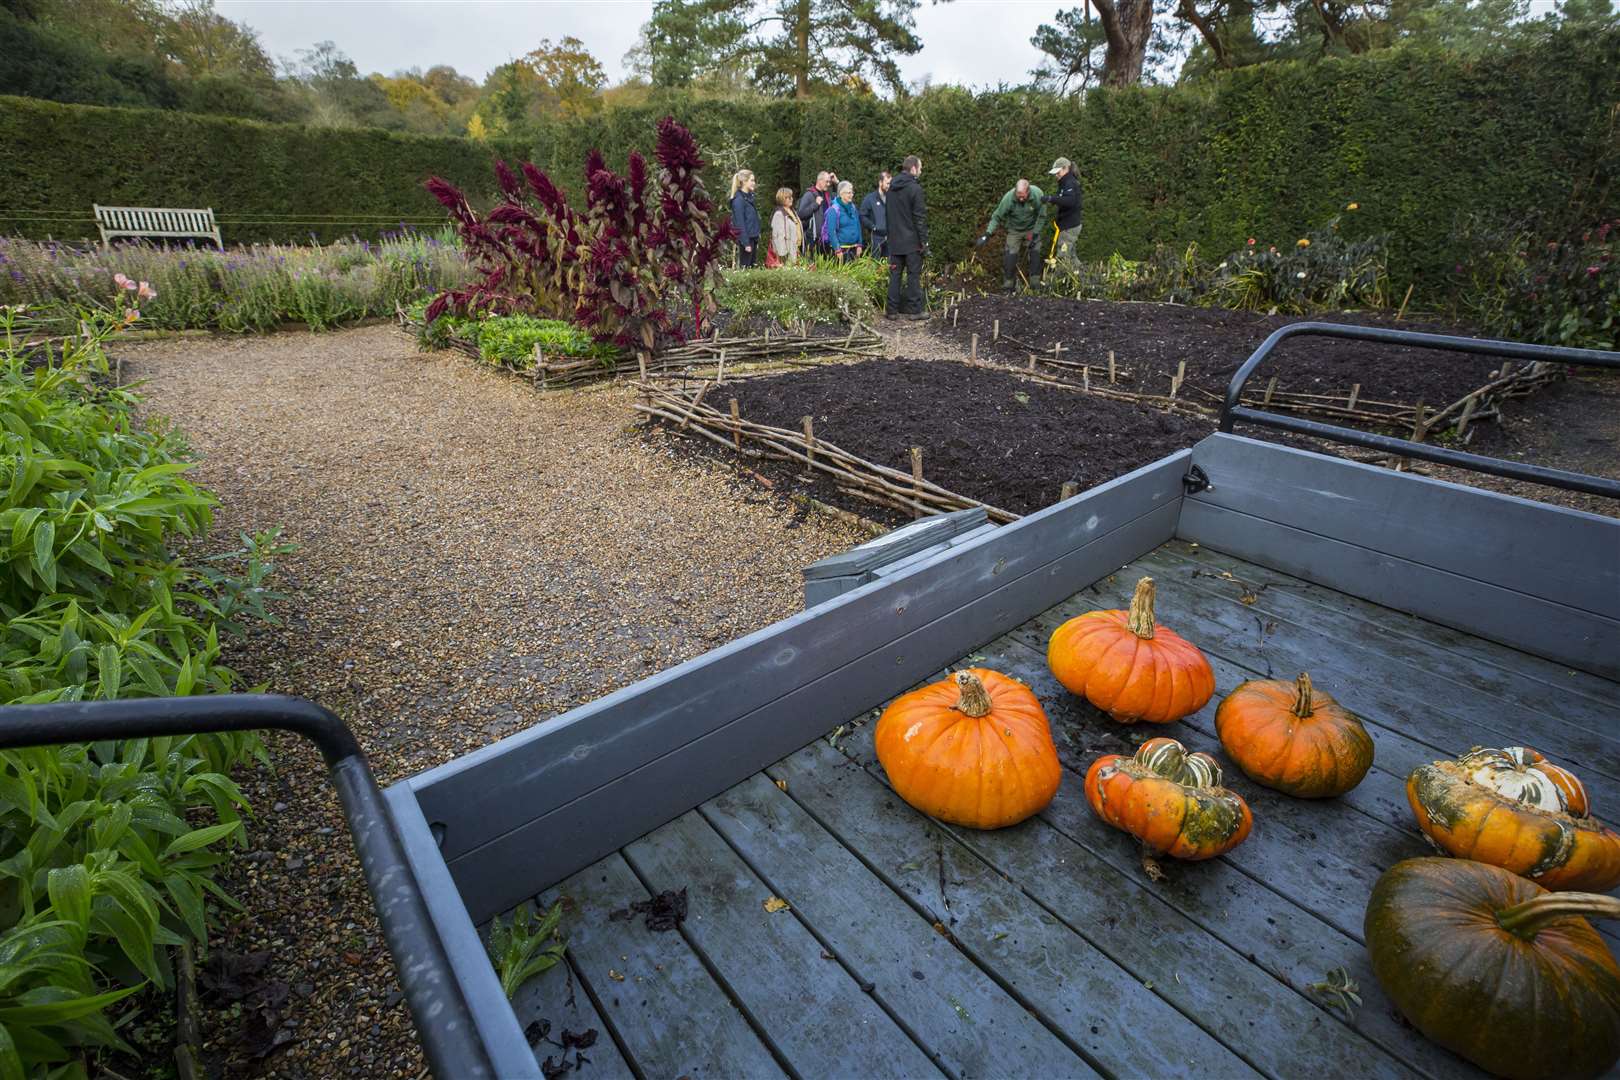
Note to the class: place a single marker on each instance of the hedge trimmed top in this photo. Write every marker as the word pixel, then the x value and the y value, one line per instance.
pixel 1417 138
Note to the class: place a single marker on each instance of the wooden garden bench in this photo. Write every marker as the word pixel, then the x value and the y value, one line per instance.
pixel 157 223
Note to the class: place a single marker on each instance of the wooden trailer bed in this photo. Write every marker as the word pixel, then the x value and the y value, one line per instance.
pixel 912 948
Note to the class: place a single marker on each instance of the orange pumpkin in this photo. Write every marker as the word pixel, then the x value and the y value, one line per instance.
pixel 1515 809
pixel 972 750
pixel 1130 667
pixel 1169 799
pixel 1294 738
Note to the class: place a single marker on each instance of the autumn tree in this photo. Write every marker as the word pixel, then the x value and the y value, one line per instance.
pixel 567 75
pixel 787 46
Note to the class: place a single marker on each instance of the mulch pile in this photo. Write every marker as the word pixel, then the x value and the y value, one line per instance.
pixel 984 433
pixel 1151 339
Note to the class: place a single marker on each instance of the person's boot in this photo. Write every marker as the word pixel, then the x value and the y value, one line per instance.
pixel 1009 271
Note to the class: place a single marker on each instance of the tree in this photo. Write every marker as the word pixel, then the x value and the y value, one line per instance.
pixel 789 45
pixel 568 75
pixel 1122 33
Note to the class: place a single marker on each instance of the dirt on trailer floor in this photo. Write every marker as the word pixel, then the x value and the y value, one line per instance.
pixel 1151 340
pixel 473 557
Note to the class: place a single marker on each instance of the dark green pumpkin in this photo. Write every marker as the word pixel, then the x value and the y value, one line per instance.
pixel 1496 968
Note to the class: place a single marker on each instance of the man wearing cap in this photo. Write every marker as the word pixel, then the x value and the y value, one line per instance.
pixel 1024 216
pixel 1067 202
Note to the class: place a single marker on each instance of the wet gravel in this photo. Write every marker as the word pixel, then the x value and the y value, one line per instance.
pixel 472 558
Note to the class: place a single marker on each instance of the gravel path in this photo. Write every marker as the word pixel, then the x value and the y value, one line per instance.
pixel 472 558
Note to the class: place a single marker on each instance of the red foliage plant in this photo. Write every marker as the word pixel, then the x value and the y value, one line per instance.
pixel 637 267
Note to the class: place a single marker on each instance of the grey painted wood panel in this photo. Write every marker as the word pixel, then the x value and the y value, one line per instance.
pixel 1380 685
pixel 498 1029
pixel 1101 1006
pixel 494 790
pixel 1541 713
pixel 671 1015
pixel 527 859
pixel 806 1003
pixel 1551 630
pixel 556 998
pixel 969 1023
pixel 1578 694
pixel 1567 556
pixel 1209 939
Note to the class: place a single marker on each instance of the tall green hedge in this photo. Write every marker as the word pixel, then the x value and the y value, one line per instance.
pixel 1416 138
pixel 265 181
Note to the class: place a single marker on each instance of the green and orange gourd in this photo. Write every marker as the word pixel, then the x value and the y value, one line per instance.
pixel 1293 738
pixel 1169 799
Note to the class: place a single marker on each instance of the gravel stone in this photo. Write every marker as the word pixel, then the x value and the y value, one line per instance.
pixel 473 557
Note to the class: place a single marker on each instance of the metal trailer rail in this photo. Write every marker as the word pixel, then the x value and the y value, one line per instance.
pixel 448 849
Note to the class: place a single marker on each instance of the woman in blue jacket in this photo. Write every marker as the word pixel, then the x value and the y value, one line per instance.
pixel 745 217
pixel 844 223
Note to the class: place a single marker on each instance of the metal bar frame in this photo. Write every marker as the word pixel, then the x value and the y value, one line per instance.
pixel 450 1037
pixel 1232 410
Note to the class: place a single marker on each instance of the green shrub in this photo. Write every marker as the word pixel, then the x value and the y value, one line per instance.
pixel 792 294
pixel 268 183
pixel 107 851
pixel 510 340
pixel 1321 271
pixel 1521 286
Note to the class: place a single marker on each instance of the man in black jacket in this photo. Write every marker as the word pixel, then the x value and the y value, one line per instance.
pixel 875 217
pixel 908 242
pixel 1067 202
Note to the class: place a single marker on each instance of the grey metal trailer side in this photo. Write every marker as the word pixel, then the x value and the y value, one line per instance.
pixel 1447 616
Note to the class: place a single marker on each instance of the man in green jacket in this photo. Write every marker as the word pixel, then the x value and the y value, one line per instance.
pixel 1024 216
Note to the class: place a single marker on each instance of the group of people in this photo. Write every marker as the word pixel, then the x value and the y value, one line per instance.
pixel 892 222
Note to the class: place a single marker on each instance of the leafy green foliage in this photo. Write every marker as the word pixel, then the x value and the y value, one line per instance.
pixel 522 948
pixel 267 182
pixel 792 295
pixel 509 341
pixel 1555 292
pixel 1322 271
pixel 237 291
pixel 107 853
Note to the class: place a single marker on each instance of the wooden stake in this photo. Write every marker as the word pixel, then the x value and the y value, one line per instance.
pixel 1507 367
pixel 955 311
pixel 1057 352
pixel 1467 415
pixel 539 366
pixel 916 480
pixel 809 444
pixel 1181 372
pixel 1408 297
pixel 696 401
pixel 1110 366
pixel 720 373
pixel 1420 427
pixel 1355 392
pixel 973 350
pixel 1271 386
pixel 736 425
pixel 1032 361
pixel 1174 386
pixel 995 330
pixel 1085 376
pixel 641 362
pixel 1069 490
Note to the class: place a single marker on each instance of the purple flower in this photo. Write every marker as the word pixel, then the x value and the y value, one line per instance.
pixel 1592 271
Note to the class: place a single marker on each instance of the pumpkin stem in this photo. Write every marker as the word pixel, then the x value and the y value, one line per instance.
pixel 1141 615
pixel 975 699
pixel 1528 918
pixel 1302 702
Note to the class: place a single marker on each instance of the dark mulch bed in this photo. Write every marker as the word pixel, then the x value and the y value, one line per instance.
pixel 984 433
pixel 1151 339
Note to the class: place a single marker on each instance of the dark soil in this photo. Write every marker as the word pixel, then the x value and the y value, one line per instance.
pixel 984 433
pixel 1152 339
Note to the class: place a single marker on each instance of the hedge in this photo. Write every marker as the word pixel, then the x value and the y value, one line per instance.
pixel 266 182
pixel 1418 139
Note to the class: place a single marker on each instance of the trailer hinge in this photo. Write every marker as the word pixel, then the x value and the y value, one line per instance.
pixel 1196 480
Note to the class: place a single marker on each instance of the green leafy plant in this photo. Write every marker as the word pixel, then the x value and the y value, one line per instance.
pixel 108 851
pixel 1323 270
pixel 510 340
pixel 523 948
pixel 1518 286
pixel 791 295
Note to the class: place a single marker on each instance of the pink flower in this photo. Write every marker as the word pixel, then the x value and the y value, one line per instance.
pixel 145 292
pixel 1251 241
pixel 123 282
pixel 1592 271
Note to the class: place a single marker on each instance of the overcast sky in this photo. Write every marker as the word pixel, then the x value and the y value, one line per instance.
pixel 970 42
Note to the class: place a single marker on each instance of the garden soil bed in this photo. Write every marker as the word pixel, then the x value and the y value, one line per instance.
pixel 1152 339
pixel 984 433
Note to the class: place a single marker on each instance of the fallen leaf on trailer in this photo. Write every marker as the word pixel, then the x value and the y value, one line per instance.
pixel 615 976
pixel 782 784
pixel 773 904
